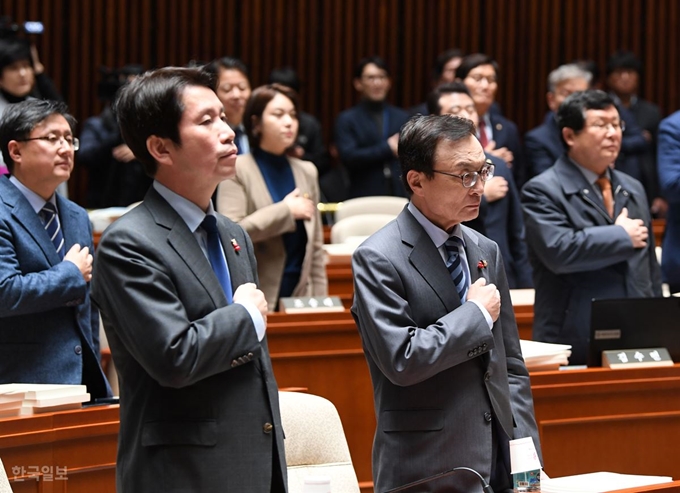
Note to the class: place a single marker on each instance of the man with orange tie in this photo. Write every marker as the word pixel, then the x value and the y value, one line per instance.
pixel 587 226
pixel 50 330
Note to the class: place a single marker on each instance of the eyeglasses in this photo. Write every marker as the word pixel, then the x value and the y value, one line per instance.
pixel 490 79
pixel 57 141
pixel 470 179
pixel 602 126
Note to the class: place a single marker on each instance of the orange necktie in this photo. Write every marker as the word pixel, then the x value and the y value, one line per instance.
pixel 606 187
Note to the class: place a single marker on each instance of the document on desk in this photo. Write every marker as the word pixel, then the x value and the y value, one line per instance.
pixel 544 356
pixel 599 482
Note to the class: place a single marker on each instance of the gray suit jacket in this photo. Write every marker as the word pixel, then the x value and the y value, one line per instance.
pixel 440 376
pixel 578 253
pixel 50 330
pixel 198 397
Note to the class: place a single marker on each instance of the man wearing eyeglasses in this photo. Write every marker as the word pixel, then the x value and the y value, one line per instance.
pixel 50 330
pixel 587 226
pixel 433 308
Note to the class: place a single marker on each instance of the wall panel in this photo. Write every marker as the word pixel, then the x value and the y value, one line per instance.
pixel 323 40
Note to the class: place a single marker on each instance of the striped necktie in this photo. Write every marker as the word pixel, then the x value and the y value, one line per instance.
pixel 455 266
pixel 50 218
pixel 216 256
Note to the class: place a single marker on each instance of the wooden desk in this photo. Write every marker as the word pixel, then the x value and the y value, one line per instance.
pixel 590 420
pixel 83 441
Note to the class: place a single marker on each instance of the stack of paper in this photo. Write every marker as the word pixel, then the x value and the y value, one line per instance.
pixel 599 482
pixel 541 356
pixel 22 399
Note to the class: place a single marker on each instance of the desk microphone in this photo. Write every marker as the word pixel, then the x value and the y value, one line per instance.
pixel 485 487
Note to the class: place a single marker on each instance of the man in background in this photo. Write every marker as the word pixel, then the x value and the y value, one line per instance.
pixel 177 287
pixel 587 226
pixel 367 135
pixel 669 178
pixel 232 85
pixel 50 330
pixel 544 145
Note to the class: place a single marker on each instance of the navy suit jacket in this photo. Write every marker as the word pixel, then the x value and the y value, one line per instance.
pixel 669 178
pixel 506 134
pixel 543 146
pixel 364 151
pixel 50 330
pixel 505 225
pixel 578 253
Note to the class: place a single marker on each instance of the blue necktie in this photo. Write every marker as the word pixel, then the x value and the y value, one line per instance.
pixel 49 217
pixel 455 266
pixel 216 255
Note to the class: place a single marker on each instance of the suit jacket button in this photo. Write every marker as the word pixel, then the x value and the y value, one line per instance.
pixel 78 350
pixel 250 355
pixel 487 376
pixel 234 363
pixel 487 417
pixel 268 427
pixel 484 346
pixel 470 354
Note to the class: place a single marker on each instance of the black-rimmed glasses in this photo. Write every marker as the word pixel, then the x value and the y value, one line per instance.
pixel 470 179
pixel 57 141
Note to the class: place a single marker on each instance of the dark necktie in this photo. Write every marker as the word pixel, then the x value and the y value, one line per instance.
pixel 482 133
pixel 237 139
pixel 216 255
pixel 606 187
pixel 455 266
pixel 49 217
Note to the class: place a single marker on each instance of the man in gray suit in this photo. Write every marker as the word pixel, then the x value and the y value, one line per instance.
pixel 587 226
pixel 433 308
pixel 199 403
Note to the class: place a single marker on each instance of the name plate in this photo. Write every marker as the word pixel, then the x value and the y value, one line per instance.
pixel 313 304
pixel 636 358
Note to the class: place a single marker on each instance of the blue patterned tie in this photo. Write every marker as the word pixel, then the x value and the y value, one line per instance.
pixel 455 266
pixel 49 217
pixel 216 255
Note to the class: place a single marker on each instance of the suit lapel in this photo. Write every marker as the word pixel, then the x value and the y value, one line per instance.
pixel 423 251
pixel 25 216
pixel 184 243
pixel 70 227
pixel 474 256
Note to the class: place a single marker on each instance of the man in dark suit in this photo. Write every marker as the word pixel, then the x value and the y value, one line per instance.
pixel 176 285
pixel 623 81
pixel 587 226
pixel 50 331
pixel 502 221
pixel 543 145
pixel 366 135
pixel 498 135
pixel 669 177
pixel 433 308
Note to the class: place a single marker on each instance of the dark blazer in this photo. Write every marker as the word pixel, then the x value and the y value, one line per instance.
pixel 505 225
pixel 579 254
pixel 199 403
pixel 543 146
pixel 50 330
pixel 441 378
pixel 648 117
pixel 364 151
pixel 506 134
pixel 669 177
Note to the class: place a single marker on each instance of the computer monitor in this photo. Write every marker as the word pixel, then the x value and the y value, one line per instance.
pixel 633 323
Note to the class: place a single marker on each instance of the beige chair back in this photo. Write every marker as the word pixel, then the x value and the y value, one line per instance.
pixel 315 443
pixel 358 228
pixel 378 204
